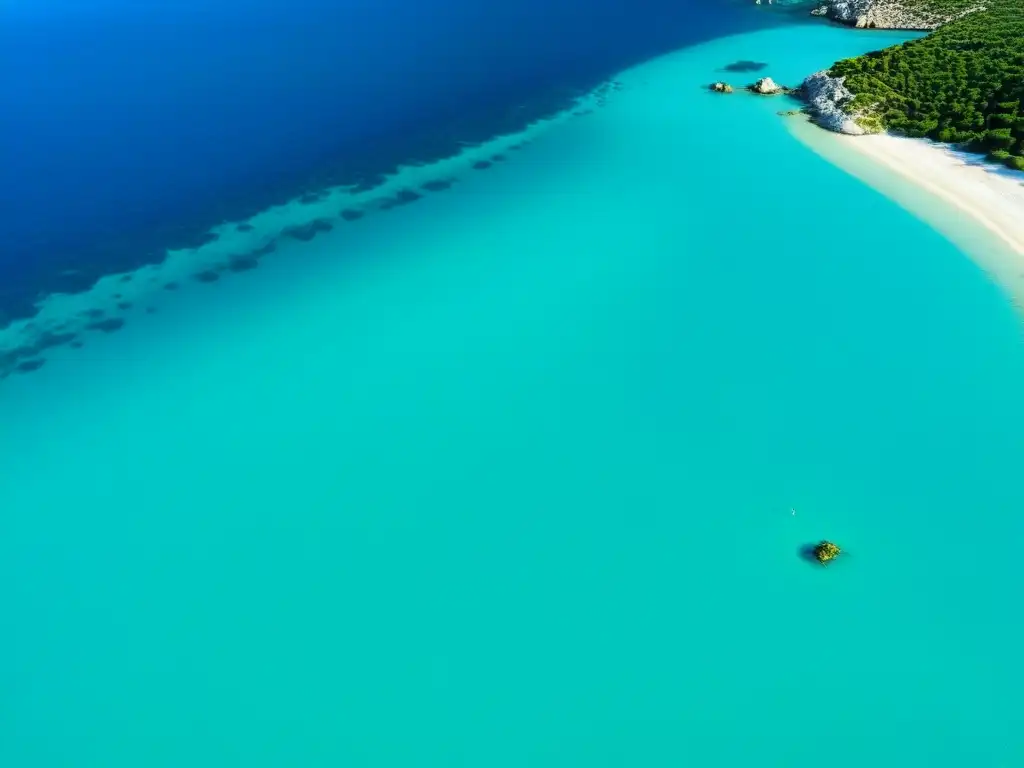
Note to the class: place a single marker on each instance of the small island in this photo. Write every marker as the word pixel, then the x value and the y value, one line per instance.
pixel 767 87
pixel 825 552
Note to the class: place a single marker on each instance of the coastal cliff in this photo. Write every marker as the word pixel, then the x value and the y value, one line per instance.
pixel 826 98
pixel 894 14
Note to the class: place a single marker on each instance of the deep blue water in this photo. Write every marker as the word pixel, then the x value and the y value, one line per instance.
pixel 135 129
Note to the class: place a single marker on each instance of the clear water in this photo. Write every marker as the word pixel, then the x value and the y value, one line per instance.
pixel 505 477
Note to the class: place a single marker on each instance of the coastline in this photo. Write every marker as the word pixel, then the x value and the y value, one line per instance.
pixel 990 194
pixel 977 205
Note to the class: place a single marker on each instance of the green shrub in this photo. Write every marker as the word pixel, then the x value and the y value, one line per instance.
pixel 963 83
pixel 998 138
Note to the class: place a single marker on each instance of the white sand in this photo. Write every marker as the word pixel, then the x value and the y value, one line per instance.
pixel 992 195
pixel 979 206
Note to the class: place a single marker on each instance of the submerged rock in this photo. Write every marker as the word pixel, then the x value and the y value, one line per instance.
pixel 306 232
pixel 826 98
pixel 437 185
pixel 27 366
pixel 109 325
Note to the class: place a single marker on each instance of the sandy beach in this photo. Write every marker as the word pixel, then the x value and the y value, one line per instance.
pixel 976 204
pixel 992 195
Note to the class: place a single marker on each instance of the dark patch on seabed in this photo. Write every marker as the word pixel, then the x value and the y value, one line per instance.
pixel 745 65
pixel 23 360
pixel 30 365
pixel 265 249
pixel 207 276
pixel 243 264
pixel 11 360
pixel 109 325
pixel 402 197
pixel 48 341
pixel 306 232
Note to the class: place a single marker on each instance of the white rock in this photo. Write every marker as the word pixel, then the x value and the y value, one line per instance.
pixel 766 85
pixel 826 96
pixel 887 14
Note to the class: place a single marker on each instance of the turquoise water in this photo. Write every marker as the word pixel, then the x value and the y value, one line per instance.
pixel 505 477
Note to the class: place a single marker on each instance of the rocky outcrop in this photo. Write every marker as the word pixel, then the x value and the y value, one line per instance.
pixel 887 14
pixel 829 100
pixel 826 98
pixel 767 86
pixel 721 87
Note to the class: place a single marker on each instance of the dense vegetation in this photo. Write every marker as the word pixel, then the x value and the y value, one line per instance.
pixel 944 7
pixel 964 83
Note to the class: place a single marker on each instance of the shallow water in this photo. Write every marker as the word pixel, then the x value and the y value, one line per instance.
pixel 505 476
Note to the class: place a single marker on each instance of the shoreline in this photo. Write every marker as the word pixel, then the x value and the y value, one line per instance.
pixel 991 195
pixel 977 205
